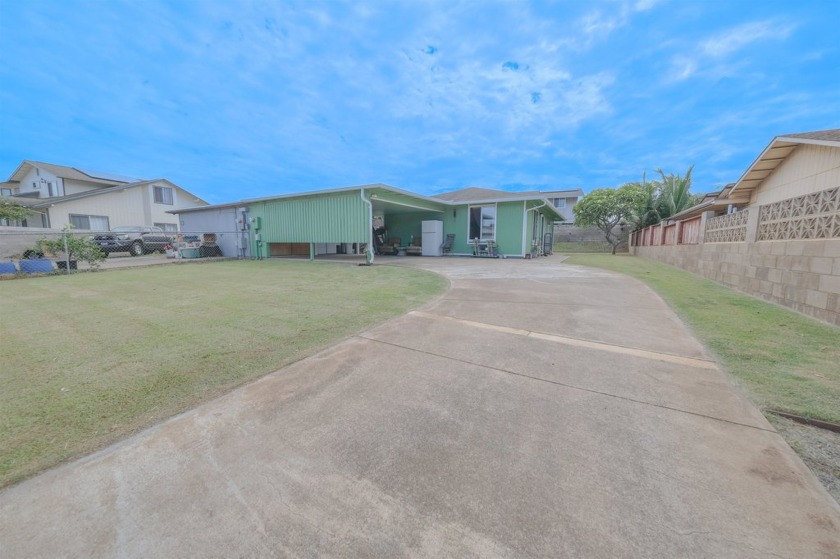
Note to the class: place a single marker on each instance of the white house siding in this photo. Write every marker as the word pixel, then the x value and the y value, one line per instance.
pixel 75 187
pixel 810 168
pixel 568 211
pixel 223 223
pixel 35 176
pixel 131 206
pixel 125 207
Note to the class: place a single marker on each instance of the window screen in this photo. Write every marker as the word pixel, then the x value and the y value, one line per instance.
pixel 163 195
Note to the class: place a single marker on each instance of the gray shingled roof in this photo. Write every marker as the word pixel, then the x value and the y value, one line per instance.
pixel 825 135
pixel 475 194
pixel 72 173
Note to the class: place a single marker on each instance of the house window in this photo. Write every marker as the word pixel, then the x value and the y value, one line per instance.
pixel 559 202
pixel 5 191
pixel 482 222
pixel 163 195
pixel 35 184
pixel 89 222
pixel 167 227
pixel 52 189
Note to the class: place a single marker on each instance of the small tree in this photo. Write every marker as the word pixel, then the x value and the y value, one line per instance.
pixel 647 210
pixel 606 208
pixel 74 248
pixel 12 210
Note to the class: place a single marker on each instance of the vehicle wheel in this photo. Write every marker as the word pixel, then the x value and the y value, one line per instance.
pixel 136 249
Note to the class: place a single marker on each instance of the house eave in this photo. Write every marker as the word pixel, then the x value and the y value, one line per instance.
pixel 776 153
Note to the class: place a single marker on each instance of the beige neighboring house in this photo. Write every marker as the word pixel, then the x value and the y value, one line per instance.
pixel 57 195
pixel 774 233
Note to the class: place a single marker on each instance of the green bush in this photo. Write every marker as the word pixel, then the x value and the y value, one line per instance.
pixel 73 248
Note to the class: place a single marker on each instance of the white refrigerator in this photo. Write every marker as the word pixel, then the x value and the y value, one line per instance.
pixel 432 238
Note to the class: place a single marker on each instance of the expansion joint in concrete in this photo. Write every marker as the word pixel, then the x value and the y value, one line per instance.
pixel 564 385
pixel 577 342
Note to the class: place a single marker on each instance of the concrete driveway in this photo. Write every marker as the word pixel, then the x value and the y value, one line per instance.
pixel 535 410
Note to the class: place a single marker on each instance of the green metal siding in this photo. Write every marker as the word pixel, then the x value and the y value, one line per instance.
pixel 333 218
pixel 386 196
pixel 509 228
pixel 456 220
pixel 406 225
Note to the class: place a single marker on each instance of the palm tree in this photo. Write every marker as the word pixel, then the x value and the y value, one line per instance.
pixel 675 195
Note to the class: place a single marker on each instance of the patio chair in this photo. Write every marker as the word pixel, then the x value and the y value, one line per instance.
pixel 475 246
pixel 415 248
pixel 492 250
pixel 391 246
pixel 448 243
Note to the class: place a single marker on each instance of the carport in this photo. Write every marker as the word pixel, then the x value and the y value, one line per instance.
pixel 339 221
pixel 401 215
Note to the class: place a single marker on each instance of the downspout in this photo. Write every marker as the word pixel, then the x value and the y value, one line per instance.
pixel 369 248
pixel 531 248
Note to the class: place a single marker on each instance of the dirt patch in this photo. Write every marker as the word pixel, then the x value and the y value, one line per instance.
pixel 818 448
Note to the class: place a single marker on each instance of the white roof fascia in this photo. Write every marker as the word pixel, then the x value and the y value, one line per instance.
pixel 828 143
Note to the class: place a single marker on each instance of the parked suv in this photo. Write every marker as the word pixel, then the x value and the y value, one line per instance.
pixel 134 239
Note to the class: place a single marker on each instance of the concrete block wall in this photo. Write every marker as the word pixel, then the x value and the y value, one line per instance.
pixel 15 240
pixel 570 233
pixel 803 275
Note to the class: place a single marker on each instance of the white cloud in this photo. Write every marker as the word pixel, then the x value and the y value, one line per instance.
pixel 711 56
pixel 739 37
pixel 682 67
pixel 597 25
pixel 645 5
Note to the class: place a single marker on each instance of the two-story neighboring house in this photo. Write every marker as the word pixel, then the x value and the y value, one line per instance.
pixel 564 201
pixel 57 195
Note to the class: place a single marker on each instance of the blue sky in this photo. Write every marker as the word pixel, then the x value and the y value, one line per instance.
pixel 233 99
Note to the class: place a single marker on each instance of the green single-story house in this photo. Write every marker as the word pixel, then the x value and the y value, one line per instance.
pixel 347 219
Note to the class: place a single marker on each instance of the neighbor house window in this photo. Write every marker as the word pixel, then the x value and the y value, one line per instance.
pixel 482 222
pixel 89 222
pixel 559 202
pixel 163 195
pixel 5 191
pixel 167 227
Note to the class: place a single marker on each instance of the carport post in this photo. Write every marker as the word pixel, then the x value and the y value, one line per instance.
pixel 311 251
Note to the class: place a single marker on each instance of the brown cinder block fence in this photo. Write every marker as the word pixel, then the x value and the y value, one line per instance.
pixel 787 252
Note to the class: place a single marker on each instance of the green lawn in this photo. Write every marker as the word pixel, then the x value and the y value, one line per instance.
pixel 90 358
pixel 786 361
